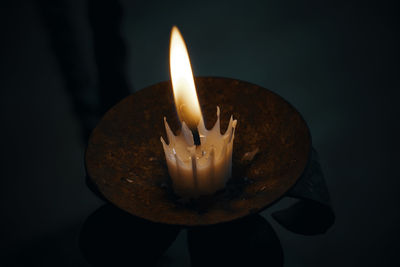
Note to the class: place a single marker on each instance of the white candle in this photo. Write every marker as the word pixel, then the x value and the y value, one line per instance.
pixel 194 170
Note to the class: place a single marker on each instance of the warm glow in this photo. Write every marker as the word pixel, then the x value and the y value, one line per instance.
pixel 187 104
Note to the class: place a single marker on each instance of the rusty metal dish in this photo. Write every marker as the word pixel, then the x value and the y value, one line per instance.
pixel 125 161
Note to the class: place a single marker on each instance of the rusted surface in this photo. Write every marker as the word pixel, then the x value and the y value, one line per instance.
pixel 125 159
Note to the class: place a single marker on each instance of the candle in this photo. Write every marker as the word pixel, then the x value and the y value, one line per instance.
pixel 201 169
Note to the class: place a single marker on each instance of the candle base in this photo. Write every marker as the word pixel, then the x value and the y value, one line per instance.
pixel 233 189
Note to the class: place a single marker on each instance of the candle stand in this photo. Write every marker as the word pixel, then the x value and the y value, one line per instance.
pixel 272 158
pixel 125 161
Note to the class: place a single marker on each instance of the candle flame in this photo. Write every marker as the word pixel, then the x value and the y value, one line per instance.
pixel 186 101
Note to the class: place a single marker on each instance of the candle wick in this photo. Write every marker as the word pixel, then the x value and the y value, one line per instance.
pixel 196 137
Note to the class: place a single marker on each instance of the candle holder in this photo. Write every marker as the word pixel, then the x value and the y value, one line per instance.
pixel 125 160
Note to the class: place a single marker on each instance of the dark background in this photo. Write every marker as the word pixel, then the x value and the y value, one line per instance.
pixel 337 62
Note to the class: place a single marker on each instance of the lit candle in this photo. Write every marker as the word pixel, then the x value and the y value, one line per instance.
pixel 201 169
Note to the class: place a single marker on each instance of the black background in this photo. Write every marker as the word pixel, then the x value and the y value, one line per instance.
pixel 337 62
